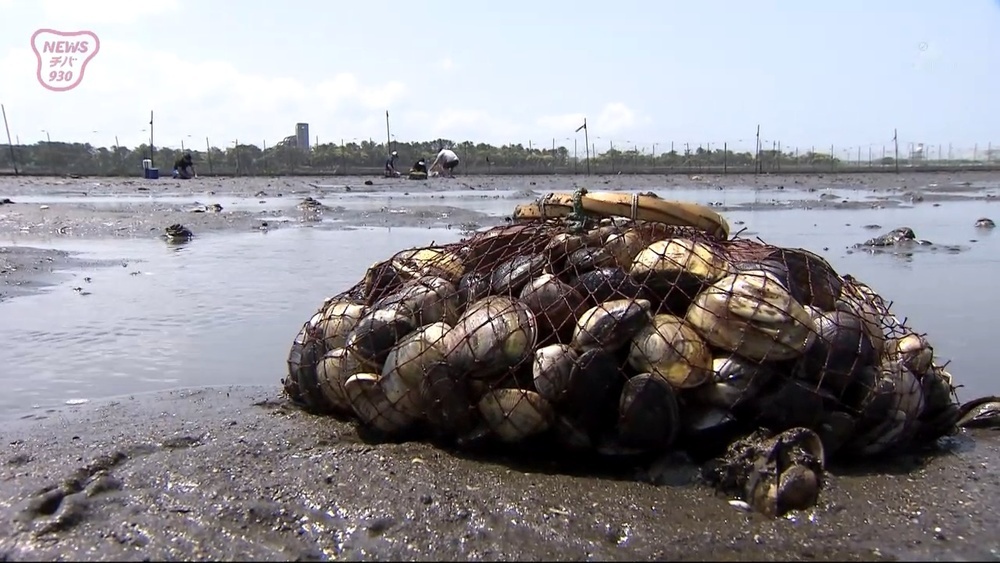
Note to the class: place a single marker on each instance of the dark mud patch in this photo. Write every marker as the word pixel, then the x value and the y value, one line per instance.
pixel 27 270
pixel 225 473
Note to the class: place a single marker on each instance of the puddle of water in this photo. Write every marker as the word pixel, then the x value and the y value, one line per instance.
pixel 224 308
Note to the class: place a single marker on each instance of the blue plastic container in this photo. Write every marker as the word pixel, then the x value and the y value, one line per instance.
pixel 152 173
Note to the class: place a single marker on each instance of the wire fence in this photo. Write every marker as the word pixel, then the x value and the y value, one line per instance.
pixel 554 156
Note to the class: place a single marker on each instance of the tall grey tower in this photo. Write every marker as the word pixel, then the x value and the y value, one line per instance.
pixel 302 136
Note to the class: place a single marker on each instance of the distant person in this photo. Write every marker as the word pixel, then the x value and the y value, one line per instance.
pixel 419 166
pixel 445 161
pixel 390 165
pixel 184 167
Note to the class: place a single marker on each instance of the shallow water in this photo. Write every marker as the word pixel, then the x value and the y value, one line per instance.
pixel 493 202
pixel 224 308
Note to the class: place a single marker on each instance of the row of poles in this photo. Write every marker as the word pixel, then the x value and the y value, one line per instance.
pixel 758 166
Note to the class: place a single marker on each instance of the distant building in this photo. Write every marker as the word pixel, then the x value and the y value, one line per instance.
pixel 302 136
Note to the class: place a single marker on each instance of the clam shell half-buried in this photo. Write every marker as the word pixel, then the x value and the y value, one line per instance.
pixel 752 314
pixel 371 406
pixel 515 414
pixel 673 350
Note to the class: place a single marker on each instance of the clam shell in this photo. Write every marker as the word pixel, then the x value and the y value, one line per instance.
pixel 938 392
pixel 294 362
pixel 552 368
pixel 736 383
pixel 515 414
pixel 914 351
pixel 435 262
pixel 672 349
pixel 303 356
pixel 841 349
pixel 786 475
pixel 509 277
pixel 370 405
pixel 607 284
pixel 562 245
pixel 869 312
pixel 611 324
pixel 471 288
pixel 407 364
pixel 798 489
pixel 380 280
pixel 752 314
pixel 809 278
pixel 648 414
pixel 333 371
pixel 590 393
pixel 625 246
pixel 337 321
pixel 493 335
pixel 375 335
pixel 555 305
pixel 425 300
pixel 589 258
pixel 447 401
pixel 498 244
pixel 793 404
pixel 671 259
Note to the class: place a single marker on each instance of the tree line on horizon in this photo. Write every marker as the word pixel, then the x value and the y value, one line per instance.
pixel 367 157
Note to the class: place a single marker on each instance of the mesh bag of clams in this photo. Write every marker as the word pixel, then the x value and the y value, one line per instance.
pixel 627 325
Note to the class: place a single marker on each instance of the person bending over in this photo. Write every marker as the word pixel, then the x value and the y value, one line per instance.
pixel 390 165
pixel 445 161
pixel 420 166
pixel 184 167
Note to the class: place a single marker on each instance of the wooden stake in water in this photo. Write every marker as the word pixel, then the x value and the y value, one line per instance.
pixel 13 161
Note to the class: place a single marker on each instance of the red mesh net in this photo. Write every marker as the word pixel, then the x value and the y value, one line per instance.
pixel 620 336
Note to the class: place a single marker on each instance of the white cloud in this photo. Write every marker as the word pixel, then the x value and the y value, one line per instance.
pixel 446 64
pixel 615 118
pixel 91 12
pixel 201 98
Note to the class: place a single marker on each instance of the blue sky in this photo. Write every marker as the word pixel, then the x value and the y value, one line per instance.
pixel 811 73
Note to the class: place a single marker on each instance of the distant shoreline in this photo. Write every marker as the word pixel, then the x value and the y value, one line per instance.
pixel 812 170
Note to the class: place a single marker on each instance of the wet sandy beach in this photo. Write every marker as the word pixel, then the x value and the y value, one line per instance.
pixel 231 472
pixel 225 473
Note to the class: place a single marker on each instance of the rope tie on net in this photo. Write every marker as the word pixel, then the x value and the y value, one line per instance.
pixel 577 219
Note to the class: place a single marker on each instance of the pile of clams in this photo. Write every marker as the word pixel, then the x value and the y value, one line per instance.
pixel 624 338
